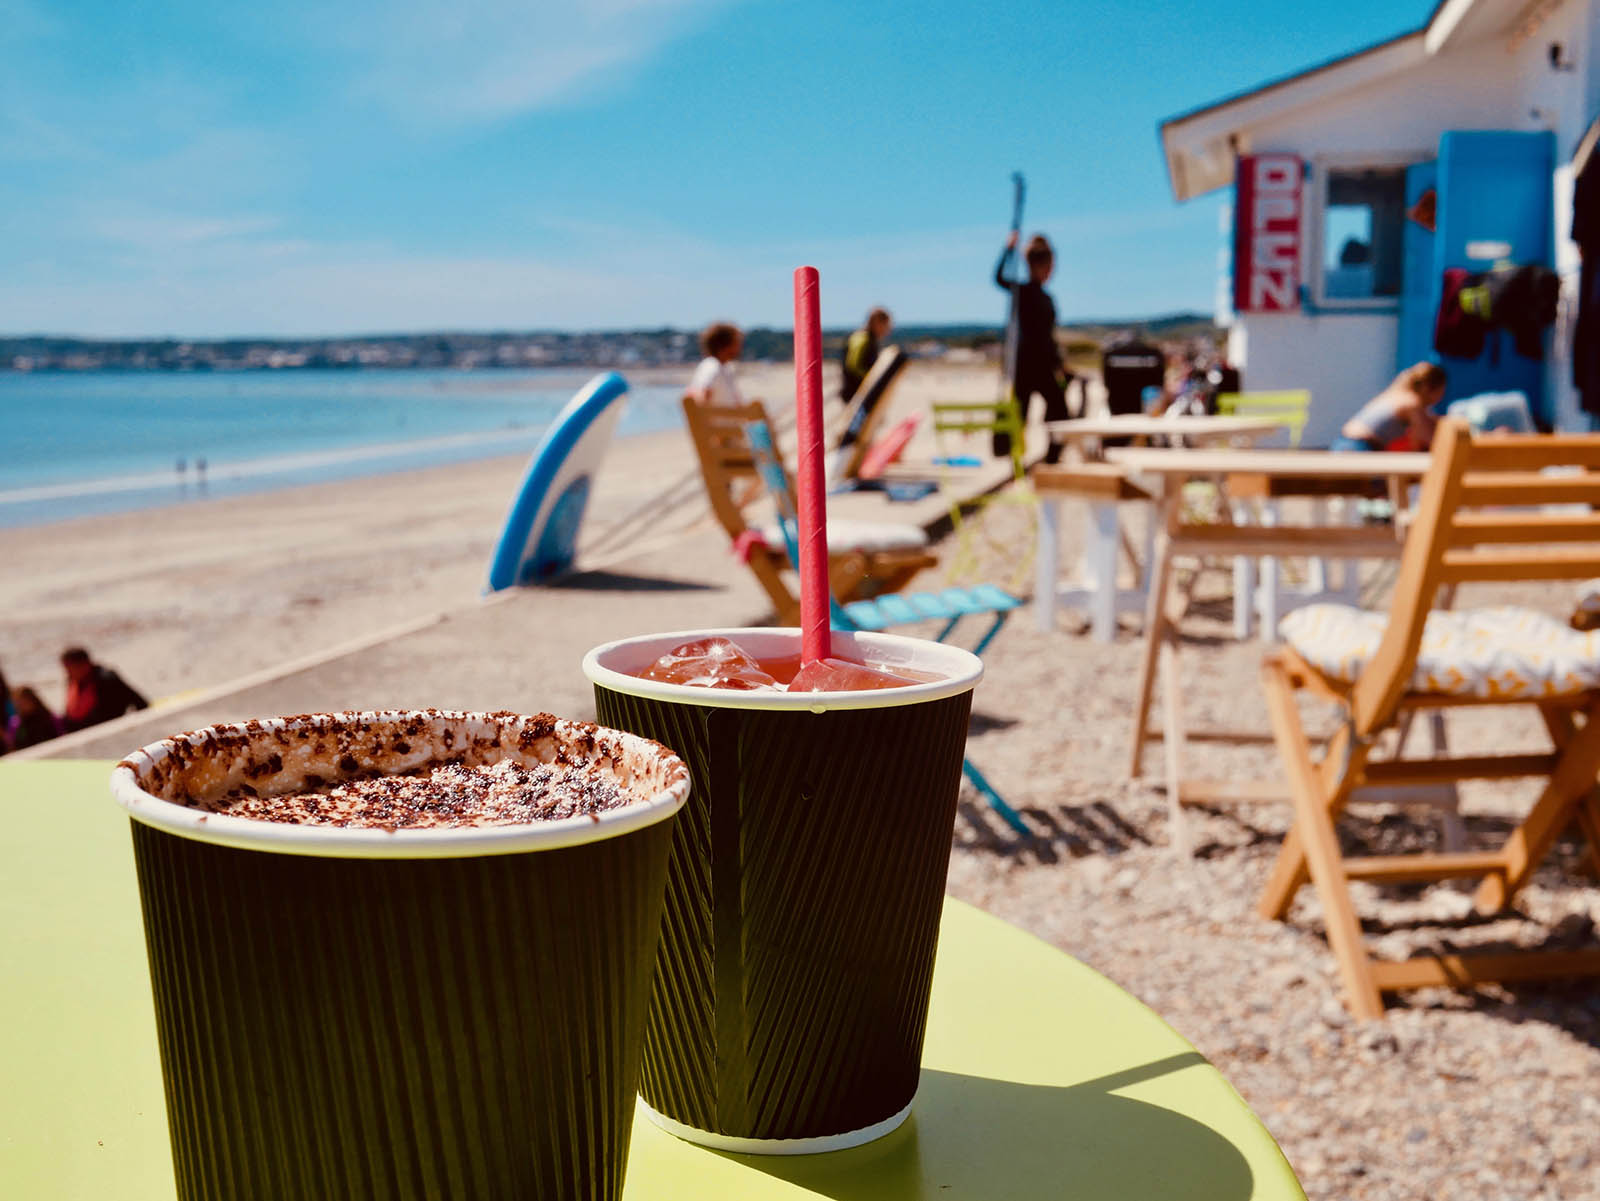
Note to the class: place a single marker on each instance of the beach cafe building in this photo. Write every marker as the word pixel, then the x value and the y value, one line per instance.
pixel 1359 183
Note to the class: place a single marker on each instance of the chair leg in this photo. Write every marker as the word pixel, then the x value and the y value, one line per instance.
pixel 1007 814
pixel 1569 788
pixel 1155 627
pixel 770 577
pixel 1589 823
pixel 983 643
pixel 1315 803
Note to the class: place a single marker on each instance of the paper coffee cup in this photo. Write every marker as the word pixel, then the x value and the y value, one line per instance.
pixel 804 891
pixel 407 1014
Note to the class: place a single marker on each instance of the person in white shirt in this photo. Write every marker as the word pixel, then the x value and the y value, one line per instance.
pixel 713 382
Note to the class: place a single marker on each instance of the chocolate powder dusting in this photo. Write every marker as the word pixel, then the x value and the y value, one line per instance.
pixel 504 794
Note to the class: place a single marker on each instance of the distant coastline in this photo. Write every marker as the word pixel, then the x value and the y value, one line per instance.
pixel 511 350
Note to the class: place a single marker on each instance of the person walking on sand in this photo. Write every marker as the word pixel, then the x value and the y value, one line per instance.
pixel 1403 409
pixel 713 382
pixel 32 723
pixel 1038 365
pixel 94 693
pixel 861 351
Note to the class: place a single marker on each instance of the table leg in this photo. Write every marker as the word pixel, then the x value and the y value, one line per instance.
pixel 1317 570
pixel 1165 515
pixel 1244 582
pixel 1269 580
pixel 1103 546
pixel 1047 563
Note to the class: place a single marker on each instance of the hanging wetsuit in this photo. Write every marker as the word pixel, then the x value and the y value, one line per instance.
pixel 1586 331
pixel 1038 359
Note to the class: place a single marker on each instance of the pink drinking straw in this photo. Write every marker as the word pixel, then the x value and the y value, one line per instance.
pixel 812 511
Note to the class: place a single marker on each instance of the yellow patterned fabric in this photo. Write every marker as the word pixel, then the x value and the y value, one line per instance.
pixel 1500 652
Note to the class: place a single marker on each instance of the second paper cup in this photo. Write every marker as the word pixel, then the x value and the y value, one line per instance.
pixel 804 890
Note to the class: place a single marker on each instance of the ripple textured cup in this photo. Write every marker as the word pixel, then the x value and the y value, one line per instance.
pixel 401 1014
pixel 804 891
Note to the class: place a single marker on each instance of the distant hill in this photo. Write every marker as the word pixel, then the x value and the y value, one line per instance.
pixel 534 348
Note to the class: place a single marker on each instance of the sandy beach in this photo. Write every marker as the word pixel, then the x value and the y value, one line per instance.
pixel 366 592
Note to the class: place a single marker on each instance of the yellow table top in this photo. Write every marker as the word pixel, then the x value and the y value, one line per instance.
pixel 1041 1079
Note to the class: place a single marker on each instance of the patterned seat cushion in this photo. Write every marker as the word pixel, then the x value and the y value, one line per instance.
pixel 1500 652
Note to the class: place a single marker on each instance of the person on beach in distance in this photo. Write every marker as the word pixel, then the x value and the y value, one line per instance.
pixel 1038 367
pixel 94 693
pixel 861 351
pixel 1403 409
pixel 713 381
pixel 32 723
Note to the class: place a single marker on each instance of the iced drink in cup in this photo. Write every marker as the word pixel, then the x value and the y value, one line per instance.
pixel 806 882
pixel 401 955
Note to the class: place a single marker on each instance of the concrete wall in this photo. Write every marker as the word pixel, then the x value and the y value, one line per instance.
pixel 1342 360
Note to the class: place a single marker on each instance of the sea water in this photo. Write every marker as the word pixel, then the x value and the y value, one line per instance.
pixel 75 443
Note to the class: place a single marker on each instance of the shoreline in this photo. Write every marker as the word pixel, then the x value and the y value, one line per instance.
pixel 188 596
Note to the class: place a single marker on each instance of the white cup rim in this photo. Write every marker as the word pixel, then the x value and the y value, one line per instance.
pixel 608 666
pixel 356 842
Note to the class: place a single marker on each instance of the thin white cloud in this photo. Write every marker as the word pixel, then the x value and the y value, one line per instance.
pixel 445 61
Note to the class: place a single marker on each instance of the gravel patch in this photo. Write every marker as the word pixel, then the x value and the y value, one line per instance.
pixel 1493 1093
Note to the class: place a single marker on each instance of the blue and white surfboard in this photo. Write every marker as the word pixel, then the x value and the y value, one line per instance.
pixel 541 532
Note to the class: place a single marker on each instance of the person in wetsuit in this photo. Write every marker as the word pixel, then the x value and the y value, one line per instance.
pixel 1038 366
pixel 861 351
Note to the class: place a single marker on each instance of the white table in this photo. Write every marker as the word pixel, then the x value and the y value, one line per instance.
pixel 1242 473
pixel 1105 487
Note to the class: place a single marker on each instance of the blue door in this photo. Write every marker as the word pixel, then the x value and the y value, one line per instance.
pixel 1496 203
pixel 1419 278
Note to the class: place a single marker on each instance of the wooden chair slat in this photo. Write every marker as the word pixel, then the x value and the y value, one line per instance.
pixel 1465 971
pixel 1402 869
pixel 1528 488
pixel 1512 566
pixel 1530 452
pixel 1481 528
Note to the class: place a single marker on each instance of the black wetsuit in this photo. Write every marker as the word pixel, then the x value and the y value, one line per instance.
pixel 1038 368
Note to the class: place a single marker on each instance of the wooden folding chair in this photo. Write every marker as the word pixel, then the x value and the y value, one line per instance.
pixel 1478 520
pixel 732 483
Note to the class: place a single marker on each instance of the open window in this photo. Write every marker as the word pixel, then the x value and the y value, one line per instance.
pixel 1362 227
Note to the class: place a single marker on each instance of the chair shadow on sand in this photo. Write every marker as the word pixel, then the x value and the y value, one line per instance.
pixel 1066 831
pixel 619 581
pixel 973 1138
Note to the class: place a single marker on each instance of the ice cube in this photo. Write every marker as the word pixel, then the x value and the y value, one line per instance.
pixel 840 675
pixel 710 663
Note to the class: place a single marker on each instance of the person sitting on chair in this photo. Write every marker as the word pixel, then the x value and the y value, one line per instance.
pixel 861 351
pixel 94 693
pixel 1403 409
pixel 713 382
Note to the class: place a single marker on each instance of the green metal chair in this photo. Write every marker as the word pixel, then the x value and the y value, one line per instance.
pixel 986 419
pixel 1293 408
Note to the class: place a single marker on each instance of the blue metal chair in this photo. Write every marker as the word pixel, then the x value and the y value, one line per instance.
pixel 894 609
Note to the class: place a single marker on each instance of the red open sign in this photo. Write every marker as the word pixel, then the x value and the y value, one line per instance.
pixel 1268 203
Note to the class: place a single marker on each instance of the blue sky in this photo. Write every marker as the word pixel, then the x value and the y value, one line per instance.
pixel 202 169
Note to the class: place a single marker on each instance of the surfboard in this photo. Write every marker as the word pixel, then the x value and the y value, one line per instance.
pixel 540 538
pixel 887 450
pixel 867 409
